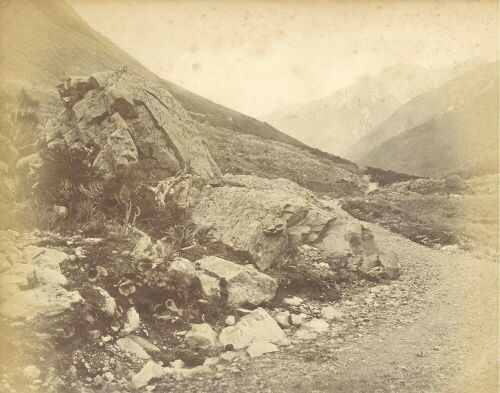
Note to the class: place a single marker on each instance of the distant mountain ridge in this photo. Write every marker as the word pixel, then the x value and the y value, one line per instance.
pixel 450 129
pixel 334 123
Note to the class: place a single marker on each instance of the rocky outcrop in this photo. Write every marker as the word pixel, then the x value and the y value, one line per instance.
pixel 241 284
pixel 116 119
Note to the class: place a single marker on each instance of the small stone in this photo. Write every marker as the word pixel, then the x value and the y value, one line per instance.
pixel 178 363
pixel 293 301
pixel 201 336
pixel 130 346
pixel 109 376
pixel 212 361
pixel 259 348
pixel 230 320
pixel 283 319
pixel 228 356
pixel 332 314
pixel 296 320
pixel 149 371
pixel 317 325
pixel 31 372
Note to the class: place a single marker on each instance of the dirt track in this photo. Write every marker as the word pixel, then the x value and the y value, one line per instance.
pixel 434 331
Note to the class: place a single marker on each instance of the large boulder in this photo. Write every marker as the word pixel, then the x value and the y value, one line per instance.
pixel 243 284
pixel 261 217
pixel 254 327
pixel 121 119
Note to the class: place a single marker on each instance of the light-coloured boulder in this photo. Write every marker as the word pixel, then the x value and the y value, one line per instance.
pixel 182 271
pixel 150 370
pixel 126 344
pixel 390 261
pixel 132 321
pixel 282 318
pixel 209 285
pixel 296 320
pixel 259 348
pixel 261 217
pixel 31 373
pixel 244 284
pixel 256 326
pixel 201 336
pixel 146 344
pixel 107 301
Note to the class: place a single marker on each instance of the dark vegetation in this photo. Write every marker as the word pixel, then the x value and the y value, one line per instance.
pixel 385 177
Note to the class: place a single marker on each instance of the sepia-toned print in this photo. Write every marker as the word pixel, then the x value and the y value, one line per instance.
pixel 248 196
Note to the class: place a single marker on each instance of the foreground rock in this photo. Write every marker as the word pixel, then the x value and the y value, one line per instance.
pixel 254 327
pixel 242 284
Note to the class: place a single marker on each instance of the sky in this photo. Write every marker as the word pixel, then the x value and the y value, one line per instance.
pixel 258 56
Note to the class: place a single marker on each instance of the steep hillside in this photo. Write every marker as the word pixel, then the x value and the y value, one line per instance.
pixel 336 122
pixel 452 129
pixel 45 41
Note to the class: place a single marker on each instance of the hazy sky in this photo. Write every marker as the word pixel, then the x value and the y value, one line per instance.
pixel 257 56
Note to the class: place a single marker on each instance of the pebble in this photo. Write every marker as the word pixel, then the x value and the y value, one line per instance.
pixel 31 372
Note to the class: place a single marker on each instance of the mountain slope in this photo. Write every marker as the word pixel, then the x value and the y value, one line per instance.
pixel 45 41
pixel 336 122
pixel 451 129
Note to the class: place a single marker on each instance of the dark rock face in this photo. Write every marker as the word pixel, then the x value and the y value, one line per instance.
pixel 122 119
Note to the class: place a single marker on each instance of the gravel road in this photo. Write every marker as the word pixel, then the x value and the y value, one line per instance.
pixel 435 330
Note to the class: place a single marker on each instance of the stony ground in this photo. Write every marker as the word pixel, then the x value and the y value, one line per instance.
pixel 435 330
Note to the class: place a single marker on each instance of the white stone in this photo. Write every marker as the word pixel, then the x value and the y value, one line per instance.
pixel 330 313
pixel 296 320
pixel 31 372
pixel 149 371
pixel 283 318
pixel 178 363
pixel 201 336
pixel 293 301
pixel 256 326
pixel 133 320
pixel 259 348
pixel 244 284
pixel 128 345
pixel 317 325
pixel 230 320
